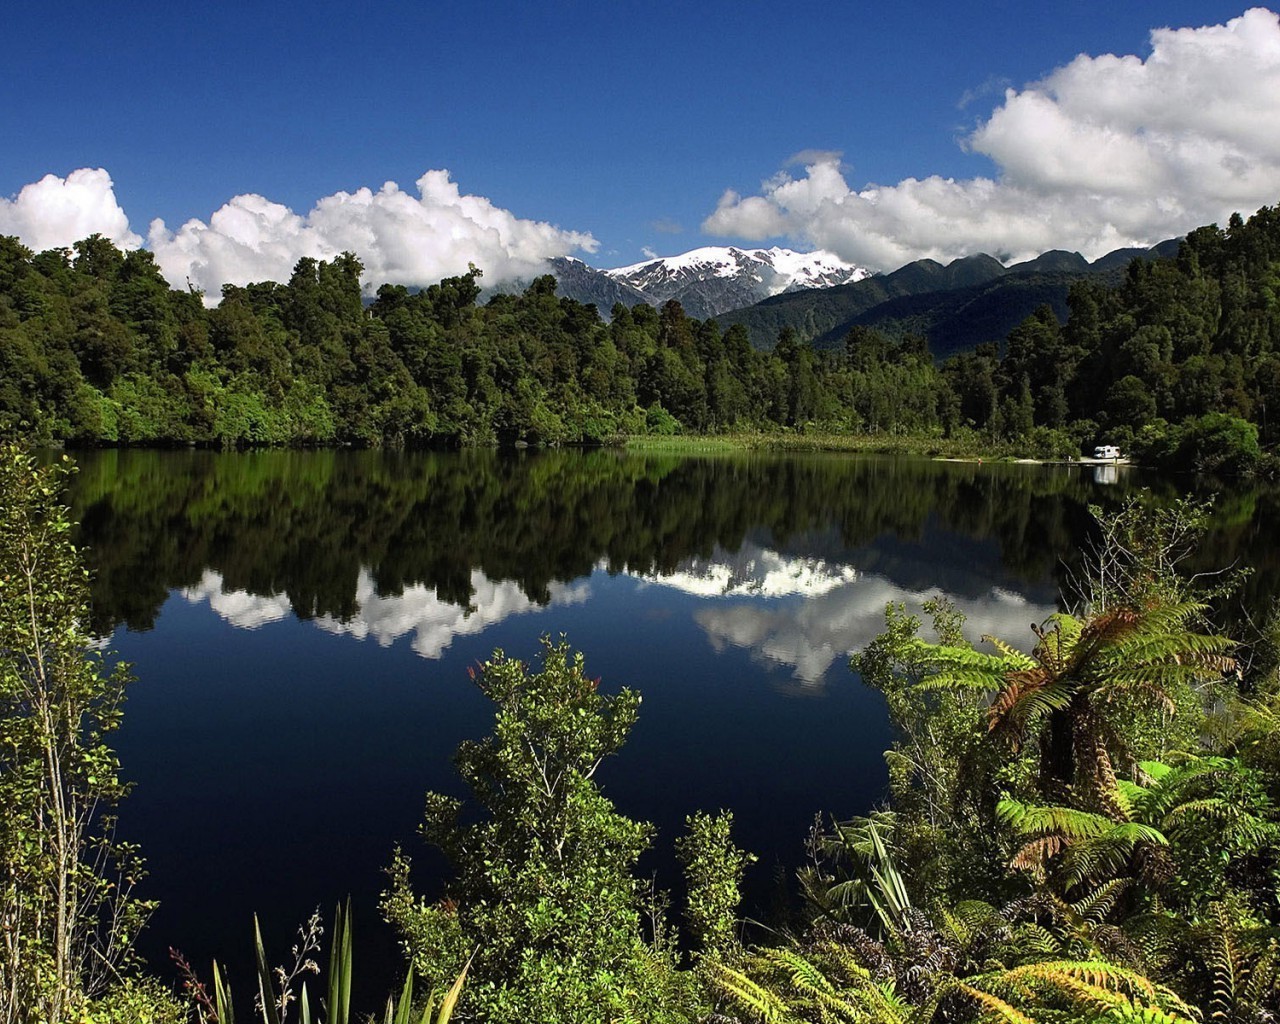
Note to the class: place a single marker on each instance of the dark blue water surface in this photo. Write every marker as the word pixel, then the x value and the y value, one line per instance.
pixel 300 625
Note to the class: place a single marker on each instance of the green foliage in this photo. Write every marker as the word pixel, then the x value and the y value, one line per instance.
pixel 544 893
pixel 713 872
pixel 67 907
pixel 1149 897
pixel 1215 443
pixel 99 349
pixel 134 1000
pixel 942 768
pixel 276 994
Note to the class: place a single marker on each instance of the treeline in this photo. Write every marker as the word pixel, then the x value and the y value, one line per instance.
pixel 95 347
pixel 1179 362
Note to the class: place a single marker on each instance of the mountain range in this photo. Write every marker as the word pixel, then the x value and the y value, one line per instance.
pixel 820 297
pixel 707 281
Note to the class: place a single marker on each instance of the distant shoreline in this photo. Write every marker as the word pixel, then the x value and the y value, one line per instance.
pixel 940 449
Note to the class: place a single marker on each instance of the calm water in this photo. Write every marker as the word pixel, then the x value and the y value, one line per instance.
pixel 300 624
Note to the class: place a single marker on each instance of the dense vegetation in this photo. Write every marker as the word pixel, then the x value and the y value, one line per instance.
pixel 1179 361
pixel 68 912
pixel 957 306
pixel 1088 831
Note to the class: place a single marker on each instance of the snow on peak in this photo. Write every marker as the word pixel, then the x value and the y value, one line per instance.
pixel 775 270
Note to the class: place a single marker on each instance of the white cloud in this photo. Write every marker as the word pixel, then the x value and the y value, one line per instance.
pixel 400 238
pixel 754 571
pixel 809 636
pixel 55 212
pixel 804 613
pixel 433 623
pixel 238 607
pixel 1105 152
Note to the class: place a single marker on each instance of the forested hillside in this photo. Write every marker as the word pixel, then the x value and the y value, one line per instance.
pixel 95 347
pixel 1181 360
pixel 956 307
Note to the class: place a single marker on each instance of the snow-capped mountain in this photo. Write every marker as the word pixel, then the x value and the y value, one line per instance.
pixel 715 279
pixel 577 280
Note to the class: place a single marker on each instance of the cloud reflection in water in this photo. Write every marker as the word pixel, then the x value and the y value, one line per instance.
pixel 805 613
pixel 418 610
pixel 800 613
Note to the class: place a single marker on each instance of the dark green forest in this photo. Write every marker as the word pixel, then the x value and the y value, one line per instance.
pixel 1178 362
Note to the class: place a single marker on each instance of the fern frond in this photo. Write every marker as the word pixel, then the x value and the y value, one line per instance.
pixel 1014 658
pixel 1037 939
pixel 938 656
pixel 1100 974
pixel 1033 856
pixel 994 1005
pixel 1264 978
pixel 804 975
pixel 1069 822
pixel 1095 907
pixel 1154 770
pixel 1127 1012
pixel 1225 963
pixel 750 995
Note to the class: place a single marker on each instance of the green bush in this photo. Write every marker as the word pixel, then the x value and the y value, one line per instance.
pixel 545 894
pixel 1219 443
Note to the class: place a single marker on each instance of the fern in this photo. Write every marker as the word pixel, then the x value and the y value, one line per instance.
pixel 749 995
pixel 1095 907
pixel 995 1005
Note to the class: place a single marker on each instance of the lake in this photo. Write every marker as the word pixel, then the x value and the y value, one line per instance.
pixel 301 623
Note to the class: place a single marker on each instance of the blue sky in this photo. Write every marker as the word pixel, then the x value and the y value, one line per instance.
pixel 626 122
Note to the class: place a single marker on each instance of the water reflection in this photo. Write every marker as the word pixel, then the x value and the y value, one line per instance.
pixel 418 611
pixel 718 587
pixel 809 636
pixel 313 529
pixel 435 623
pixel 238 607
pixel 801 613
pixel 756 571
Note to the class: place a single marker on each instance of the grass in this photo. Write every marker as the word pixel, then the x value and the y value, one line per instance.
pixel 970 446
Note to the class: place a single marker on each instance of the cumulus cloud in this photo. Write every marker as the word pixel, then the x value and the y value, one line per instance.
pixel 55 212
pixel 418 611
pixel 238 607
pixel 810 636
pixel 400 238
pixel 805 613
pixel 1105 152
pixel 433 623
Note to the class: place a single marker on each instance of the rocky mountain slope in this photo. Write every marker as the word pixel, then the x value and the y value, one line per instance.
pixel 714 279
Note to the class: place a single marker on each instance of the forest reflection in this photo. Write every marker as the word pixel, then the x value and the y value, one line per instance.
pixel 792 557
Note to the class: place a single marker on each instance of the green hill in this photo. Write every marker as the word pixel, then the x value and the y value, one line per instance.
pixel 957 306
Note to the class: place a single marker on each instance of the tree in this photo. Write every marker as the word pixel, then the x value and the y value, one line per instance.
pixel 68 917
pixel 1081 672
pixel 713 869
pixel 544 893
